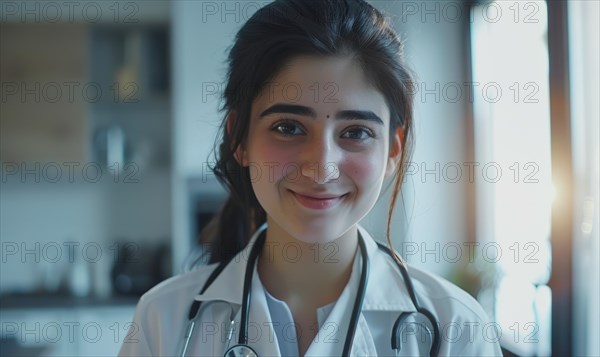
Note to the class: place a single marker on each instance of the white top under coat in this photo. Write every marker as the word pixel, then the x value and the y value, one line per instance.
pixel 283 323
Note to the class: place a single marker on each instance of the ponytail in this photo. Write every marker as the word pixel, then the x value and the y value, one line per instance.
pixel 235 226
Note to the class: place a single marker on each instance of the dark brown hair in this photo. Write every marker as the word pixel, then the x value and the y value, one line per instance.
pixel 275 34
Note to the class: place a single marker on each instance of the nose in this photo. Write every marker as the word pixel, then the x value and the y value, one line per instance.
pixel 320 161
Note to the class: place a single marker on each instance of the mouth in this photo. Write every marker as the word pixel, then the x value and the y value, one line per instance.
pixel 317 201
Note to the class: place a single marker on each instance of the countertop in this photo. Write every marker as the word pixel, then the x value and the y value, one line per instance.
pixel 31 301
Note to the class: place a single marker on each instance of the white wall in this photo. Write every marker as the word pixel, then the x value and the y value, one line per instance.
pixel 436 49
pixel 201 34
pixel 36 218
pixel 35 215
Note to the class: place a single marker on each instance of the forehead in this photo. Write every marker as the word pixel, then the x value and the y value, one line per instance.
pixel 326 84
pixel 303 68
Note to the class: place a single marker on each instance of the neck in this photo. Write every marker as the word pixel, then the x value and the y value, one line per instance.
pixel 305 273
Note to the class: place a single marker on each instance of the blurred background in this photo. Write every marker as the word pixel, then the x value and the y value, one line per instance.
pixel 109 114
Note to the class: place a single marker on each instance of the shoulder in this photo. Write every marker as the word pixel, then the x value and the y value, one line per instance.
pixel 463 323
pixel 164 307
pixel 438 295
pixel 182 286
pixel 433 292
pixel 442 291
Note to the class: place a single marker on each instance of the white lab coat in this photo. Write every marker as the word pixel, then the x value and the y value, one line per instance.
pixel 161 315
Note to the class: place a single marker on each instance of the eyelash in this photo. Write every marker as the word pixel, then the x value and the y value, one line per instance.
pixel 369 132
pixel 289 122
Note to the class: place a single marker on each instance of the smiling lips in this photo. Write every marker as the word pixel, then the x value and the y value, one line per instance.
pixel 317 201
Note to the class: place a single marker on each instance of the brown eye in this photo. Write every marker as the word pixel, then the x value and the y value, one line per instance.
pixel 358 133
pixel 287 128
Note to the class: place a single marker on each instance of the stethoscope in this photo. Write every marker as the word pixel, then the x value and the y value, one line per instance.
pixel 243 349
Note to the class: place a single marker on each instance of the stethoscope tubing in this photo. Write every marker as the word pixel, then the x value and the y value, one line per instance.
pixel 254 253
pixel 357 308
pixel 360 297
pixel 435 344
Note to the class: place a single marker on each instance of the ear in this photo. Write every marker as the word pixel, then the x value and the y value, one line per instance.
pixel 396 140
pixel 240 154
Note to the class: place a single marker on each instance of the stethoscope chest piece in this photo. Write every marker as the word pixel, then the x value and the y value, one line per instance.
pixel 240 351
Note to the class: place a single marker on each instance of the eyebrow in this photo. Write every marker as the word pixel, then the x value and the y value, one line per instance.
pixel 309 112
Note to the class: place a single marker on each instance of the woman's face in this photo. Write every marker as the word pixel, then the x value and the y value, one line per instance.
pixel 318 148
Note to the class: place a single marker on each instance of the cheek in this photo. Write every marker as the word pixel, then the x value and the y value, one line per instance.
pixel 270 163
pixel 364 169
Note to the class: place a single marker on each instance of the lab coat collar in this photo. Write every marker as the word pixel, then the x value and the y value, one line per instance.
pixel 381 294
pixel 331 336
pixel 229 285
pixel 386 289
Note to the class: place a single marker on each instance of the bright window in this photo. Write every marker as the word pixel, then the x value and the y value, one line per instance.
pixel 512 146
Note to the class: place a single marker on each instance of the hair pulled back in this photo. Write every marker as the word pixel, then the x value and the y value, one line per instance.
pixel 274 35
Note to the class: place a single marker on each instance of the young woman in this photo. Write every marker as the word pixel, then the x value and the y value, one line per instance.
pixel 318 115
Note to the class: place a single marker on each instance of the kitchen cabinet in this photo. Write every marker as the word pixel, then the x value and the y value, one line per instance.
pixel 132 122
pixel 66 86
pixel 43 112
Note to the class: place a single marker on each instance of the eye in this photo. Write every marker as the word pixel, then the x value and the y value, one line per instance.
pixel 359 133
pixel 287 127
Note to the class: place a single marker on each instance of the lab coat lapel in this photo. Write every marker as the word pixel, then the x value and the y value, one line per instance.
pixel 364 344
pixel 260 332
pixel 386 291
pixel 229 287
pixel 331 337
pixel 261 335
